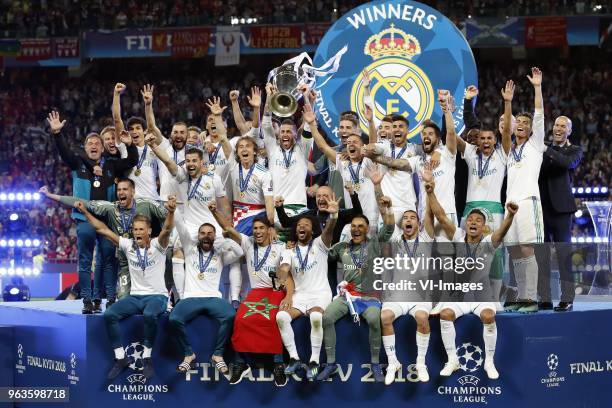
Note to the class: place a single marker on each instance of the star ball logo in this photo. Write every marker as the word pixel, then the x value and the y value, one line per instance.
pixel 553 379
pixel 409 51
pixel 469 390
pixel 20 351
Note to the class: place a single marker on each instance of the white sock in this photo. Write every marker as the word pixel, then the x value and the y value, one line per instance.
pixel 119 353
pixel 316 335
pixel 146 352
pixel 422 341
pixel 389 345
pixel 520 275
pixel 531 277
pixel 447 330
pixel 283 320
pixel 178 274
pixel 496 285
pixel 489 334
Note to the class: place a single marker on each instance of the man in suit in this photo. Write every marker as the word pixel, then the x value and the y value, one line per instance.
pixel 558 206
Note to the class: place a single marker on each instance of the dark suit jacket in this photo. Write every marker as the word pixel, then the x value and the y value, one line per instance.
pixel 555 181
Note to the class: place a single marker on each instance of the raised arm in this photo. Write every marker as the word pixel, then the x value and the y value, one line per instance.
pixel 445 99
pixel 131 160
pixel 164 235
pixel 507 93
pixel 434 205
pixel 147 97
pixel 98 225
pixel 225 224
pixel 333 206
pixel 283 218
pixel 309 117
pixel 217 110
pixel 368 108
pixel 151 141
pixel 498 235
pixel 469 115
pixel 237 113
pixel 116 107
pixel 538 116
pixel 255 102
pixel 68 156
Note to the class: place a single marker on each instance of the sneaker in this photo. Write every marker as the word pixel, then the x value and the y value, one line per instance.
pixel 528 307
pixel 147 367
pixel 450 367
pixel 512 306
pixel 490 369
pixel 293 366
pixel 118 367
pixel 378 375
pixel 97 306
pixel 422 372
pixel 328 371
pixel 88 307
pixel 280 379
pixel 392 368
pixel 312 371
pixel 239 371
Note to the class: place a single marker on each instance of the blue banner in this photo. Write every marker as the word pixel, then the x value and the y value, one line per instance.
pixel 410 51
pixel 583 30
pixel 495 32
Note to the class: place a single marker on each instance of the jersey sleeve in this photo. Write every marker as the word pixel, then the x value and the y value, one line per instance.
pixel 181 228
pixel 124 244
pixel 287 257
pixel 334 251
pixel 181 174
pixel 538 130
pixel 469 152
pixel 245 243
pixel 459 235
pixel 414 163
pixel 487 243
pixel 100 208
pixel 155 243
pixel 219 188
pixel 266 184
pixel 320 245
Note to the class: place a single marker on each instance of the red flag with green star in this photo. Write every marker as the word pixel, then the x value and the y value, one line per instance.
pixel 255 329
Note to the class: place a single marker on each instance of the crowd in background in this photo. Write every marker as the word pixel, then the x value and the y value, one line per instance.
pixel 43 18
pixel 29 160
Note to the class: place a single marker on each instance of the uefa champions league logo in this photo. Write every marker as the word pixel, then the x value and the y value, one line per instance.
pixel 20 351
pixel 73 361
pixel 552 362
pixel 134 353
pixel 470 357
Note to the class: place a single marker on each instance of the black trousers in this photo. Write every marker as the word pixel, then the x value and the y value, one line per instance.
pixel 557 232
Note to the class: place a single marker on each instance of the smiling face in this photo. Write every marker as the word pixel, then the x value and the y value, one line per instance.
pixel 346 129
pixel 142 233
pixel 303 231
pixel 523 127
pixel 125 193
pixel 178 136
pixel 261 233
pixel 400 132
pixel 429 138
pixel 245 150
pixel 474 226
pixel 562 129
pixel 206 237
pixel 193 164
pixel 287 136
pixel 353 147
pixel 486 142
pixel 211 128
pixel 384 129
pixel 323 196
pixel 108 138
pixel 359 230
pixel 410 224
pixel 137 132
pixel 192 137
pixel 94 148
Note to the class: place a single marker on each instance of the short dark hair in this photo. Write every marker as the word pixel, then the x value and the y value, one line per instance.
pixel 195 128
pixel 479 212
pixel 316 226
pixel 363 217
pixel 126 180
pixel 179 124
pixel 91 136
pixel 142 218
pixel 106 130
pixel 288 122
pixel 263 220
pixel 387 118
pixel 350 116
pixel 400 118
pixel 527 115
pixel 135 120
pixel 432 124
pixel 207 224
pixel 195 150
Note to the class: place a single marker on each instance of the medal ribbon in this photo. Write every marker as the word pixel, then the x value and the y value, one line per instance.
pixel 287 158
pixel 142 260
pixel 102 160
pixel 212 158
pixel 202 263
pixel 355 175
pixel 471 255
pixel 259 263
pixel 414 247
pixel 191 191
pixel 127 222
pixel 244 182
pixel 482 171
pixel 358 262
pixel 303 262
pixel 400 152
pixel 142 157
pixel 176 158
pixel 519 156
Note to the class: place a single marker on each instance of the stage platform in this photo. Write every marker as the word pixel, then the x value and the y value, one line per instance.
pixel 544 359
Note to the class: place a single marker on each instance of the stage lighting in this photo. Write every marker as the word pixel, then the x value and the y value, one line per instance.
pixel 3 243
pixel 36 196
pixel 27 196
pixel 11 196
pixel 11 243
pixel 578 214
pixel 3 271
pixel 27 242
pixel 14 217
pixel 19 196
pixel 3 197
pixel 595 190
pixel 19 242
pixel 36 271
pixel 11 271
pixel 604 190
pixel 587 190
pixel 27 271
pixel 36 242
pixel 580 190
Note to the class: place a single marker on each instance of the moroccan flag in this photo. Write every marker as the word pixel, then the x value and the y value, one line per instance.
pixel 255 329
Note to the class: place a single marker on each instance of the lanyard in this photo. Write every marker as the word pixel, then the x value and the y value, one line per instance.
pixel 359 261
pixel 176 158
pixel 102 160
pixel 519 156
pixel 142 260
pixel 483 170
pixel 414 247
pixel 259 263
pixel 471 255
pixel 244 182
pixel 212 158
pixel 204 263
pixel 303 262
pixel 400 152
pixel 126 222
pixel 355 175
pixel 287 156
pixel 142 157
pixel 191 191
